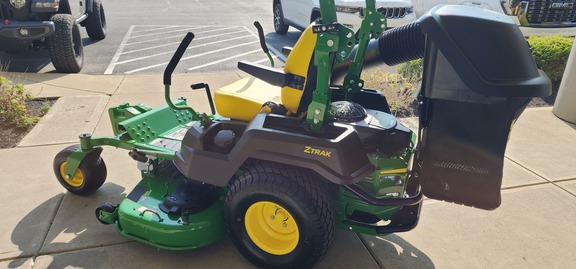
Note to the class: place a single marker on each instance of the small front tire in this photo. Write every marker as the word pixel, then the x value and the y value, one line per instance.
pixel 88 177
pixel 104 207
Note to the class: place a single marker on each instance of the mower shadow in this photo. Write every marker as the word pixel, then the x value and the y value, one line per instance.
pixel 76 239
pixel 24 234
pixel 392 251
pixel 72 227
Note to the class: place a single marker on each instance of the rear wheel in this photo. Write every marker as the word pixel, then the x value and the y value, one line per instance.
pixel 65 45
pixel 96 22
pixel 280 216
pixel 279 26
pixel 89 176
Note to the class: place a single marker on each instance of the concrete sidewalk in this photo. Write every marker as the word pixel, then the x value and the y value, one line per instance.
pixel 45 227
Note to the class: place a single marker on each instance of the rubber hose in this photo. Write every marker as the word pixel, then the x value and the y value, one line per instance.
pixel 402 44
pixel 395 46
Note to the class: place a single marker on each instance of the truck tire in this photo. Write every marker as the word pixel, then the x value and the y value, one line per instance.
pixel 279 26
pixel 65 45
pixel 280 216
pixel 96 21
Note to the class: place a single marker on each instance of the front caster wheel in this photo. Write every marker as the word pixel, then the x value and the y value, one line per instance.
pixel 88 177
pixel 104 213
pixel 280 216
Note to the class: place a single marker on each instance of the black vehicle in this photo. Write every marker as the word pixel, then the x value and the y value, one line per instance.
pixel 51 24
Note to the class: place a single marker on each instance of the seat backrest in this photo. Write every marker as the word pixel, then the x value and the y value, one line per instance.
pixel 300 62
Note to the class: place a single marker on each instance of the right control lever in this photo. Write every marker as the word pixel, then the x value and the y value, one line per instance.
pixel 263 42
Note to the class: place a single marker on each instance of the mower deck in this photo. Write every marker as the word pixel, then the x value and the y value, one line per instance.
pixel 188 227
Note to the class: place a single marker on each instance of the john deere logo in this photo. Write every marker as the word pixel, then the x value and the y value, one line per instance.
pixel 319 152
pixel 562 5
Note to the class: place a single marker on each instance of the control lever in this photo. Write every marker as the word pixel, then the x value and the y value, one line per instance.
pixel 263 42
pixel 208 94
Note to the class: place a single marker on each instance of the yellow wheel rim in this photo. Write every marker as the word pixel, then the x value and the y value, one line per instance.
pixel 76 181
pixel 272 228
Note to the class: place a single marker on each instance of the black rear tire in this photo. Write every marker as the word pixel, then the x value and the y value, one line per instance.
pixel 280 216
pixel 96 21
pixel 65 45
pixel 279 26
pixel 88 178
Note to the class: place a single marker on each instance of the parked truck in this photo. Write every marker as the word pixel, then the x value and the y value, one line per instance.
pixel 54 25
pixel 534 17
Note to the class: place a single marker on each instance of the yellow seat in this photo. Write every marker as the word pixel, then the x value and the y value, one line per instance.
pixel 243 99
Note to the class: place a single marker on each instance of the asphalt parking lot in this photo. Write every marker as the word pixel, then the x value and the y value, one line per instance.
pixel 143 35
pixel 148 48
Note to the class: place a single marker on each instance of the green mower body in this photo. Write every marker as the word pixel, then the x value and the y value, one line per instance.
pixel 169 210
pixel 279 182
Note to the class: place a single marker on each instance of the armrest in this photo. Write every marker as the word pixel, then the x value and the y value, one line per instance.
pixel 272 76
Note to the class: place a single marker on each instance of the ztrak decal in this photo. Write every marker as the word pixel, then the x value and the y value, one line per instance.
pixel 319 152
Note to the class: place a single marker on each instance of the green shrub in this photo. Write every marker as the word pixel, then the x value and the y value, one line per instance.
pixel 45 107
pixel 551 54
pixel 399 90
pixel 411 70
pixel 13 110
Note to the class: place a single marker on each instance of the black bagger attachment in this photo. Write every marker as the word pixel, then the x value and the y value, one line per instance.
pixel 479 75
